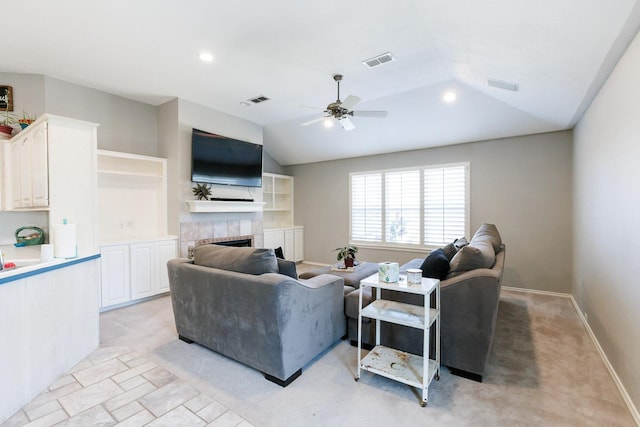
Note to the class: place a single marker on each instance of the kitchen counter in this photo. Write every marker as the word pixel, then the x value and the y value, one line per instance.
pixel 34 267
pixel 50 322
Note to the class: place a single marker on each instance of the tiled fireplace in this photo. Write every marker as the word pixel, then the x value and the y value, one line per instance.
pixel 197 233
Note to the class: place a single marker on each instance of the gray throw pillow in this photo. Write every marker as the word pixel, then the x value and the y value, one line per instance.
pixel 474 255
pixel 242 260
pixel 288 268
pixel 449 250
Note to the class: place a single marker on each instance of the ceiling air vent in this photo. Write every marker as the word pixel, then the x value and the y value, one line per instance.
pixel 259 99
pixel 500 84
pixel 379 60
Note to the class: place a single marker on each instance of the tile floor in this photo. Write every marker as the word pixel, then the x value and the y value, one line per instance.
pixel 115 386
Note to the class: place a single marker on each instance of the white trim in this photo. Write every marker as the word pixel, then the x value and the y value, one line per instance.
pixel 616 380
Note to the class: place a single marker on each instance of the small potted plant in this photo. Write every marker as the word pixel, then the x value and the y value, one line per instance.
pixel 348 254
pixel 202 191
pixel 26 120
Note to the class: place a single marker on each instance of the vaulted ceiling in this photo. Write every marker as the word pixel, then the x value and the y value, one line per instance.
pixel 557 52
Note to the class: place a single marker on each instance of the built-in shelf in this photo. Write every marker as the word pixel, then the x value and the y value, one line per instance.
pixel 224 206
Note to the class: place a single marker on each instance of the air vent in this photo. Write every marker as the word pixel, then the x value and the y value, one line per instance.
pixel 259 99
pixel 379 60
pixel 500 84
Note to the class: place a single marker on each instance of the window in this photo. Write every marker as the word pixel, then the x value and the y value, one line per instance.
pixel 420 207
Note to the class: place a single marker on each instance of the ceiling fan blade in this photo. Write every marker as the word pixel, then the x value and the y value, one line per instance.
pixel 350 101
pixel 369 113
pixel 310 122
pixel 346 123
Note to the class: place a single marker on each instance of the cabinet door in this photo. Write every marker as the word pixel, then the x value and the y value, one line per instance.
pixel 273 239
pixel 114 275
pixel 142 270
pixel 289 242
pixel 165 250
pixel 14 176
pixel 38 167
pixel 298 245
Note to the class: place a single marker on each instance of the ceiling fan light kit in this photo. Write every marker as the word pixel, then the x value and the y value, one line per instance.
pixel 341 110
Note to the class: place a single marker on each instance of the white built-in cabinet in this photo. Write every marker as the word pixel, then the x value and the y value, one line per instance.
pixel 279 229
pixel 132 224
pixel 27 168
pixel 115 275
pixel 135 270
pixel 51 166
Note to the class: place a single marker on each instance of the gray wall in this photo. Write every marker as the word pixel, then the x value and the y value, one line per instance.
pixel 606 215
pixel 523 185
pixel 125 125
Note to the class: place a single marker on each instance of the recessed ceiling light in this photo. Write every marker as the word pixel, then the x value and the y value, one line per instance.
pixel 206 57
pixel 449 96
pixel 245 104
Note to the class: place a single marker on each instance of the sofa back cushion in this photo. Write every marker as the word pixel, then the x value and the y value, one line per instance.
pixel 241 260
pixel 488 232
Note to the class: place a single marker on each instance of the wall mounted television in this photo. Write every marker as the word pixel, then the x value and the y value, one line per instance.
pixel 216 159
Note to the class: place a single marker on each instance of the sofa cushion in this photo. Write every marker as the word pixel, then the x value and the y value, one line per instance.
pixel 488 232
pixel 477 254
pixel 460 243
pixel 450 250
pixel 436 265
pixel 241 260
pixel 288 268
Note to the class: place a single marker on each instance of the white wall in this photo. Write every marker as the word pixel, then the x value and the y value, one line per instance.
pixel 606 218
pixel 523 185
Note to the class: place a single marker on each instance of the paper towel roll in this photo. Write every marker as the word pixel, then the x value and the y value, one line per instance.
pixel 64 238
pixel 388 272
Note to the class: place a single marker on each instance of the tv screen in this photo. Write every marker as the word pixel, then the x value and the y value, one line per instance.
pixel 216 159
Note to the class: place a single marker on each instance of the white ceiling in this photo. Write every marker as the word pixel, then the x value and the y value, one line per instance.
pixel 558 51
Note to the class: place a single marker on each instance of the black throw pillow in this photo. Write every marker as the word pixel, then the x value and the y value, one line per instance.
pixel 436 265
pixel 279 253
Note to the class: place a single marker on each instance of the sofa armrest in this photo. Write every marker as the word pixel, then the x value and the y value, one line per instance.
pixel 352 300
pixel 322 280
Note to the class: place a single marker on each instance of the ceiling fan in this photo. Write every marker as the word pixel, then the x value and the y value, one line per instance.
pixel 341 110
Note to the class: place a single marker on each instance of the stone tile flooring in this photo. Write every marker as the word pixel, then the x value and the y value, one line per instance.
pixel 115 386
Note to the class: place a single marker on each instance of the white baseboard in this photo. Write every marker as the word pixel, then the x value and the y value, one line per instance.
pixel 623 391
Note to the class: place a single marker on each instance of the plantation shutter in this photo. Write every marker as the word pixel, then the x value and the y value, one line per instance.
pixel 366 207
pixel 402 207
pixel 444 204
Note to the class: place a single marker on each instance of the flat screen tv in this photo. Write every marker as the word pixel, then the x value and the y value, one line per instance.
pixel 216 159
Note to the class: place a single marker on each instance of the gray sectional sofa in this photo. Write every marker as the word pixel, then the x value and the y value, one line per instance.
pixel 238 302
pixel 469 296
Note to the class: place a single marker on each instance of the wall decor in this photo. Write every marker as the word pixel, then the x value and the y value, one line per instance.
pixel 6 98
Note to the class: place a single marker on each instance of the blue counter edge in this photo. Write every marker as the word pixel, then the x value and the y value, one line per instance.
pixel 67 263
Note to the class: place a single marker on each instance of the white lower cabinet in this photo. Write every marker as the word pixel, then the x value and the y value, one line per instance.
pixel 290 239
pixel 115 283
pixel 134 271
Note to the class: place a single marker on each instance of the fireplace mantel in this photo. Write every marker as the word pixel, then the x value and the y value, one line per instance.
pixel 224 206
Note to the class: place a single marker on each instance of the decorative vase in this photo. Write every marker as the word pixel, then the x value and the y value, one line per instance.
pixel 348 262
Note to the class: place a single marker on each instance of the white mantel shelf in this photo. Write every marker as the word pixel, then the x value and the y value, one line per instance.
pixel 224 206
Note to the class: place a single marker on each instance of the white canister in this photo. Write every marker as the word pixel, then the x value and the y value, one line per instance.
pixel 414 276
pixel 46 252
pixel 388 272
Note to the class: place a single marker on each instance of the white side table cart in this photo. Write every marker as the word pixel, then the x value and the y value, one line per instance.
pixel 407 368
